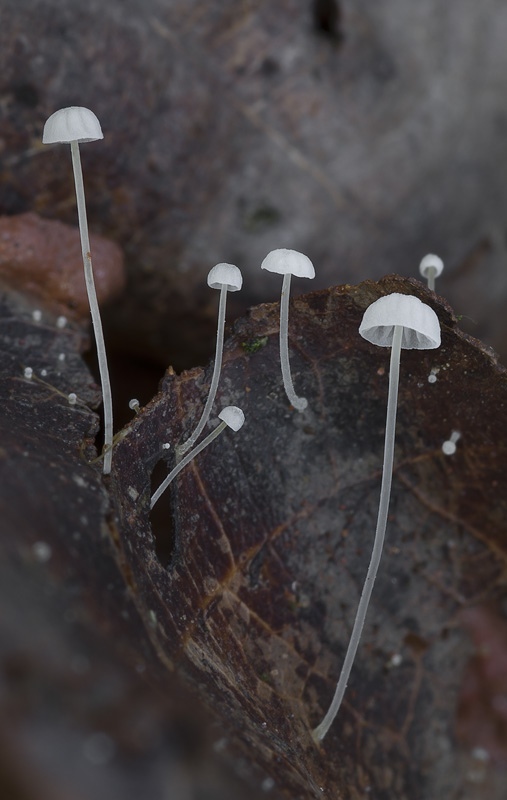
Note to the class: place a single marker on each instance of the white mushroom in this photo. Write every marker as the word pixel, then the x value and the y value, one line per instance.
pixel 397 321
pixel 231 417
pixel 134 405
pixel 72 126
pixel 430 268
pixel 449 446
pixel 287 263
pixel 227 278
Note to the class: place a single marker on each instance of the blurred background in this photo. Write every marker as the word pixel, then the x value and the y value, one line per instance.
pixel 363 134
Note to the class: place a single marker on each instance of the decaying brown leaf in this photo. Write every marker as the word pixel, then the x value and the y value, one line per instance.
pixel 272 530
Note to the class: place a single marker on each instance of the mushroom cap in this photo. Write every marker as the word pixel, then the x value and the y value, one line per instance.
pixel 233 417
pixel 225 274
pixel 73 124
pixel 431 261
pixel 449 448
pixel 421 329
pixel 284 261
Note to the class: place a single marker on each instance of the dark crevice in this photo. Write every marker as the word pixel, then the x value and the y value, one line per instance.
pixel 327 20
pixel 161 517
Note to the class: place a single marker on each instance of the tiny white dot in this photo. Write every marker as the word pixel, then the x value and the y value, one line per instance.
pixel 220 745
pixel 432 378
pixel 61 357
pixel 43 372
pixel 28 372
pixel 166 446
pixel 37 315
pixel 448 448
pixel 41 551
pixel 480 753
pixel 61 322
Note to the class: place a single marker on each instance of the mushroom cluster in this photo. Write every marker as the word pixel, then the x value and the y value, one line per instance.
pixel 395 321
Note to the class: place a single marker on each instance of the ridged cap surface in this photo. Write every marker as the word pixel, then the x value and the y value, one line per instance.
pixel 233 417
pixel 73 124
pixel 227 274
pixel 421 328
pixel 284 261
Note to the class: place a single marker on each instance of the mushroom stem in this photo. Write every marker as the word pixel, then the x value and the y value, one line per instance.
pixel 385 492
pixel 431 275
pixel 215 377
pixel 184 461
pixel 94 308
pixel 299 403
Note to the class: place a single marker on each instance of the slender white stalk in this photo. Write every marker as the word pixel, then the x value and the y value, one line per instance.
pixel 299 403
pixel 385 492
pixel 205 442
pixel 215 377
pixel 94 308
pixel 431 275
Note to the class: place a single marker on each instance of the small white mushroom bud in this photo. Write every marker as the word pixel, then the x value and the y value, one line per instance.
pixel 134 404
pixel 61 322
pixel 231 417
pixel 37 315
pixel 449 447
pixel 430 268
pixel 28 373
pixel 288 263
pixel 72 398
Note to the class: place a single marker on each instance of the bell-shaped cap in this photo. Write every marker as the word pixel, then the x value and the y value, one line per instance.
pixel 421 329
pixel 431 261
pixel 73 124
pixel 233 417
pixel 225 274
pixel 284 261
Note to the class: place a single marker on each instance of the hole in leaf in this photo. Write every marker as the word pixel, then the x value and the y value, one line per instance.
pixel 327 19
pixel 161 517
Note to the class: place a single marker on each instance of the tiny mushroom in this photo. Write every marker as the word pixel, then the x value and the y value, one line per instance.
pixel 288 263
pixel 71 126
pixel 227 278
pixel 231 417
pixel 449 446
pixel 396 321
pixel 430 268
pixel 134 405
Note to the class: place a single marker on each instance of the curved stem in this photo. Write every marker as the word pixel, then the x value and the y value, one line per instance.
pixel 94 309
pixel 184 461
pixel 385 492
pixel 299 403
pixel 216 375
